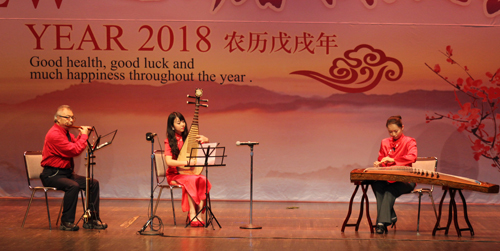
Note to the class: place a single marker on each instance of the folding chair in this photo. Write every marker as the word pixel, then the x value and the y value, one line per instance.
pixel 427 164
pixel 32 161
pixel 161 172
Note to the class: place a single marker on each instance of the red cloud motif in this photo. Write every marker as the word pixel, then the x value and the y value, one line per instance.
pixel 364 66
pixel 4 4
pixel 276 5
pixel 491 8
pixel 35 3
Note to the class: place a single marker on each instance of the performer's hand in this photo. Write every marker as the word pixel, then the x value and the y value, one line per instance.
pixel 202 139
pixel 387 159
pixel 377 163
pixel 191 162
pixel 85 130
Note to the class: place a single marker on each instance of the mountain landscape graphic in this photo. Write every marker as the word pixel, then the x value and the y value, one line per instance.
pixel 146 99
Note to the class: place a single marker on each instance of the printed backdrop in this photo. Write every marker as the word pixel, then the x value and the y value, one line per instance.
pixel 312 81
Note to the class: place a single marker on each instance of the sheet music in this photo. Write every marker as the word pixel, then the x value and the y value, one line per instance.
pixel 204 147
pixel 102 140
pixel 107 139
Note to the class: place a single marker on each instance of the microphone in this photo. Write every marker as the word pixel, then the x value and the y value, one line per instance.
pixel 150 136
pixel 248 143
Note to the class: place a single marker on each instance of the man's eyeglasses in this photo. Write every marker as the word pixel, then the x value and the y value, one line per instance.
pixel 67 117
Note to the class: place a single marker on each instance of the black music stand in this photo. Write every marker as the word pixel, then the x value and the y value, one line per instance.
pixel 91 148
pixel 251 226
pixel 210 157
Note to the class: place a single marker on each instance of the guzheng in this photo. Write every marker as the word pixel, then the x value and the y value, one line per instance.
pixel 410 174
pixel 185 152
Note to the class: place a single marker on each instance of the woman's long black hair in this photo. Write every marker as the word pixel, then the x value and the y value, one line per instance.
pixel 172 141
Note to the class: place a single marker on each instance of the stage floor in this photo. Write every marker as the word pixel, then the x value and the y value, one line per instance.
pixel 285 226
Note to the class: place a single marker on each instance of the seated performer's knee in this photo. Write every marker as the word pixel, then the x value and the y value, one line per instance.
pixel 72 188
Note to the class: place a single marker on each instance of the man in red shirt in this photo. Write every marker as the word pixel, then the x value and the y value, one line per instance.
pixel 57 160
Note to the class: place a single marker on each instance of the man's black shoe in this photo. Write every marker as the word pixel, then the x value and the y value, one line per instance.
pixel 95 225
pixel 68 226
pixel 100 225
pixel 88 225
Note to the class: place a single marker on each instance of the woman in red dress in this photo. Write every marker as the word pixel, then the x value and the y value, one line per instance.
pixel 193 186
pixel 397 150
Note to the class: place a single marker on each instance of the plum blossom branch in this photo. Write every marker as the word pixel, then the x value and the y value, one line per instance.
pixel 479 117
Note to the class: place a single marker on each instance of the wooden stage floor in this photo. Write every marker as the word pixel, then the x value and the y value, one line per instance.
pixel 285 226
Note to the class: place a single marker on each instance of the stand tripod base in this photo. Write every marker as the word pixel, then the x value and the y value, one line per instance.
pixel 150 232
pixel 250 226
pixel 147 229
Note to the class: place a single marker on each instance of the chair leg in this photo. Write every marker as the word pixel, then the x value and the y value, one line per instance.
pixel 418 217
pixel 28 209
pixel 173 208
pixel 157 201
pixel 60 212
pixel 433 205
pixel 48 212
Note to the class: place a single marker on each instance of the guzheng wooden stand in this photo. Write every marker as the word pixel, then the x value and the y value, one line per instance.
pixel 452 212
pixel 364 198
pixel 451 183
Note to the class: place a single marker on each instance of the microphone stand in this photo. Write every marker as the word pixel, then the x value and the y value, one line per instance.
pixel 251 226
pixel 150 137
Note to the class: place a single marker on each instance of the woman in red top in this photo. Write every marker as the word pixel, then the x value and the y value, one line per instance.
pixel 397 150
pixel 193 186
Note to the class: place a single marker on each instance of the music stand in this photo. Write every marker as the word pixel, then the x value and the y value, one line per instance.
pixel 89 172
pixel 107 139
pixel 208 152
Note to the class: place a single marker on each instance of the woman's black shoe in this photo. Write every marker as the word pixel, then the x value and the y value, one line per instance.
pixel 393 220
pixel 381 228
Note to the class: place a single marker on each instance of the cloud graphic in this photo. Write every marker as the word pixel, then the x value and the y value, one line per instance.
pixel 359 71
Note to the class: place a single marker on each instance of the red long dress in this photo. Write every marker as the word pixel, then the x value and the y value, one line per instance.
pixel 194 185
